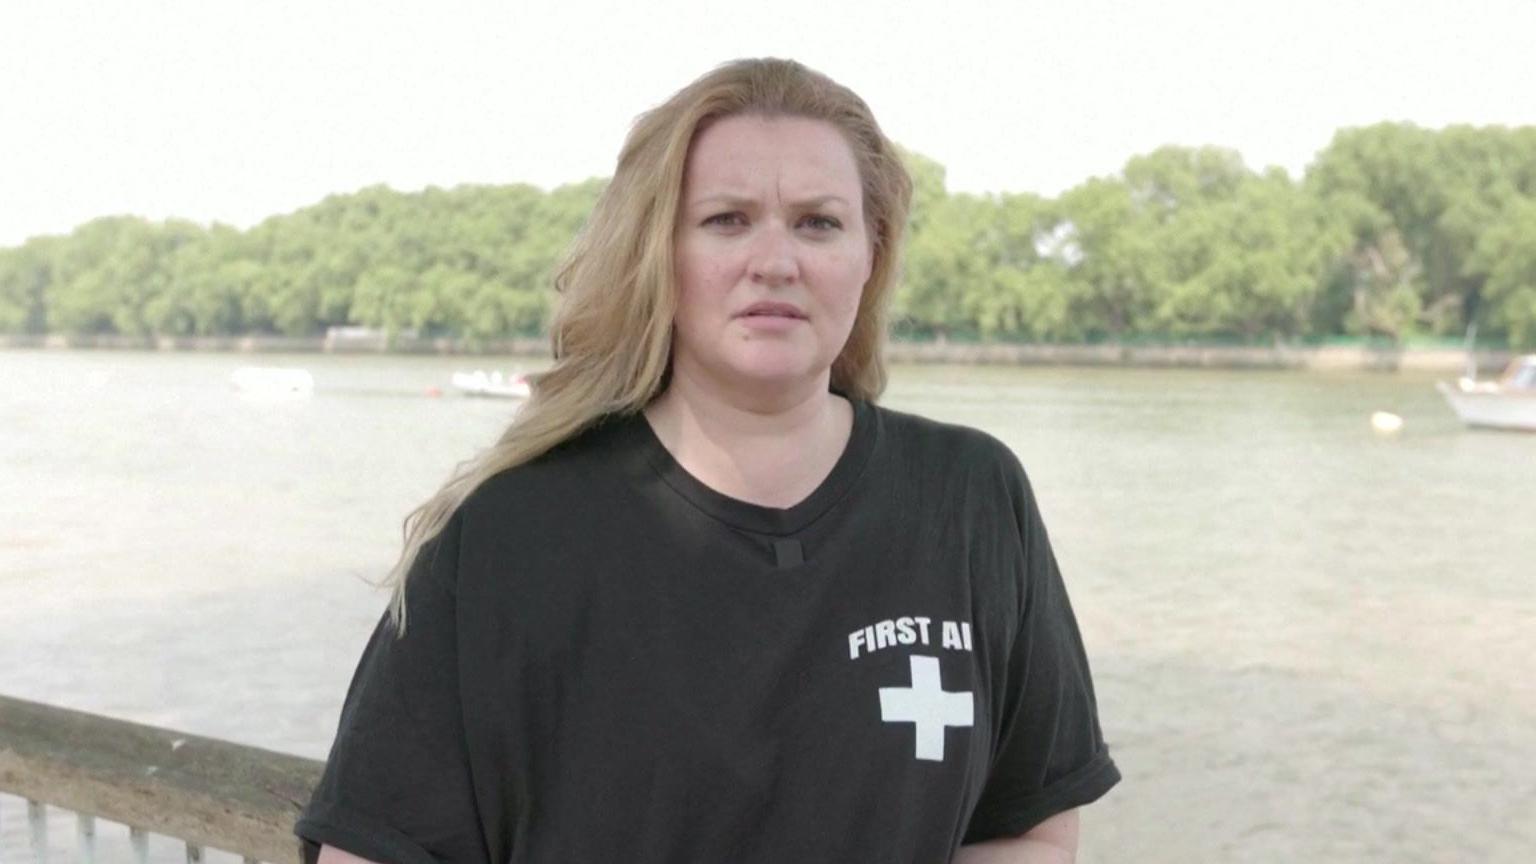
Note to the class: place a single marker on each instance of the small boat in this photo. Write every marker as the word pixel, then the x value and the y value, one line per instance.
pixel 1508 403
pixel 272 381
pixel 492 384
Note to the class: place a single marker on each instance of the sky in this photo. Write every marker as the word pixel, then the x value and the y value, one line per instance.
pixel 235 111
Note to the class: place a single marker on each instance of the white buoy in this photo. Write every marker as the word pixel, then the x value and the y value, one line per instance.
pixel 1386 423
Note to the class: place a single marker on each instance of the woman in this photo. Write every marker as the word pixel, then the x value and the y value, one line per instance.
pixel 704 601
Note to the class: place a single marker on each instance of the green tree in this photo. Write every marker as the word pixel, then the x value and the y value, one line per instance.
pixel 1506 259
pixel 1105 242
pixel 26 274
pixel 1394 231
pixel 1248 263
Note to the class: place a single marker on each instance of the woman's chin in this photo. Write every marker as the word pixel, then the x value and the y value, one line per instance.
pixel 770 369
pixel 755 366
pixel 761 372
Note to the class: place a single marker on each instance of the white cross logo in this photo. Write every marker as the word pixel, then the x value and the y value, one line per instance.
pixel 927 706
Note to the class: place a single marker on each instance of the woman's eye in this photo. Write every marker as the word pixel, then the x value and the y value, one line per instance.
pixel 737 219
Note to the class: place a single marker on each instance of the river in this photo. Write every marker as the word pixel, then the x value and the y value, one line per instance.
pixel 1310 641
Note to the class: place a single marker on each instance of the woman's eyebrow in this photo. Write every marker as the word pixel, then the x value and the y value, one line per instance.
pixel 738 201
pixel 820 201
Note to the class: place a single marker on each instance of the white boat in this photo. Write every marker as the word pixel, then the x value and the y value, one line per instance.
pixel 272 381
pixel 1508 403
pixel 493 384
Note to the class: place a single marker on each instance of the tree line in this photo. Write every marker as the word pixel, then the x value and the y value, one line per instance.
pixel 1394 232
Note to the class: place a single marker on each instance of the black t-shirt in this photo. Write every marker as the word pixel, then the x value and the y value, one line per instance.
pixel 606 660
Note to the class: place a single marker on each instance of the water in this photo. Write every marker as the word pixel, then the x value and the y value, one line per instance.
pixel 1309 641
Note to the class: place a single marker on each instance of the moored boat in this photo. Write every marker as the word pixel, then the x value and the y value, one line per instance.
pixel 1508 403
pixel 272 381
pixel 493 384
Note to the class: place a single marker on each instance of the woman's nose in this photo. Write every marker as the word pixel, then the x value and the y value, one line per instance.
pixel 773 255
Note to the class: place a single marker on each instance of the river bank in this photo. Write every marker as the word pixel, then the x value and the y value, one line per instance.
pixel 1195 356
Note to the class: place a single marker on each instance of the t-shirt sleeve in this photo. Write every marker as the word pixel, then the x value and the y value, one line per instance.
pixel 397 786
pixel 1051 755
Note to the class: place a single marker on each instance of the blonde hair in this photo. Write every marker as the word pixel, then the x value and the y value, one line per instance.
pixel 612 330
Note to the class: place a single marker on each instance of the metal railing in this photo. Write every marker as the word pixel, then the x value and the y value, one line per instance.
pixel 203 792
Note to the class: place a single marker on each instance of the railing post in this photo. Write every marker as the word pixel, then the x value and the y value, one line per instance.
pixel 85 839
pixel 37 828
pixel 139 839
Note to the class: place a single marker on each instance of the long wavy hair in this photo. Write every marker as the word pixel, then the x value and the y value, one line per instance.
pixel 612 328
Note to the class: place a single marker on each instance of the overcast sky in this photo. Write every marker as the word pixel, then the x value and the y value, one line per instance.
pixel 233 110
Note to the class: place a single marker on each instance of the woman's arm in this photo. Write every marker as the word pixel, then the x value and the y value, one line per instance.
pixel 332 855
pixel 1053 841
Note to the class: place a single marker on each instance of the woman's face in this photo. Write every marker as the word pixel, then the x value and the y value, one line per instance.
pixel 771 253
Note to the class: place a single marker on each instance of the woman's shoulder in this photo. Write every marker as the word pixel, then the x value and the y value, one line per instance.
pixel 955 461
pixel 944 443
pixel 573 470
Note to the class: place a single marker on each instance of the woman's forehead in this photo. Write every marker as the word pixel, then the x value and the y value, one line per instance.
pixel 749 155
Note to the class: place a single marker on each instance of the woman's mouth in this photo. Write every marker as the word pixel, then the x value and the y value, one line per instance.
pixel 772 310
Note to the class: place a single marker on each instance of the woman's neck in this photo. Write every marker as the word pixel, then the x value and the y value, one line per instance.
pixel 773 456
